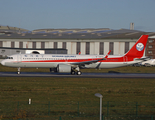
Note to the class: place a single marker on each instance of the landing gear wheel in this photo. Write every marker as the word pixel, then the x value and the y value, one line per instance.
pixel 73 72
pixel 78 72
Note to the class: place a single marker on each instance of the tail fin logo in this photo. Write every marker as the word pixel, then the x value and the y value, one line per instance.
pixel 140 46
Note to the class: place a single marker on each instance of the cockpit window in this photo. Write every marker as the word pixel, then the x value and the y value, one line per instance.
pixel 9 57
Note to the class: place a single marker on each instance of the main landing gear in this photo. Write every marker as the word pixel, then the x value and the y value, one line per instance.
pixel 76 71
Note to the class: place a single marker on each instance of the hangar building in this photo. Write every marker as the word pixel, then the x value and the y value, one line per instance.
pixel 86 41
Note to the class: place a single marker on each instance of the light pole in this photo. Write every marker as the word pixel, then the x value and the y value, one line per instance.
pixel 100 96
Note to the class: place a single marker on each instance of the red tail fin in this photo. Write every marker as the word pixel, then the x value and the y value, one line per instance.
pixel 138 49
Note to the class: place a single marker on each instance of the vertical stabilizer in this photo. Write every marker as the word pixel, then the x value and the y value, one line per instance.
pixel 137 50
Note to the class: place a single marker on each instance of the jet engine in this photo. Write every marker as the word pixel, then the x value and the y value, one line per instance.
pixel 63 68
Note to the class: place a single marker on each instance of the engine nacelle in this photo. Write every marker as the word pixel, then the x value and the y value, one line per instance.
pixel 62 68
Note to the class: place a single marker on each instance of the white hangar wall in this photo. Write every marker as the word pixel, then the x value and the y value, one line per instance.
pixel 93 46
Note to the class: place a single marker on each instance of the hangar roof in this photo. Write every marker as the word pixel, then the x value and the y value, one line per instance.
pixel 102 33
pixel 9 29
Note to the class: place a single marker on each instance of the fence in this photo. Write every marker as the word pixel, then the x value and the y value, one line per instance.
pixel 69 110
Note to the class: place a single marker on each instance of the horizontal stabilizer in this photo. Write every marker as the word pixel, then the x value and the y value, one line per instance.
pixel 144 59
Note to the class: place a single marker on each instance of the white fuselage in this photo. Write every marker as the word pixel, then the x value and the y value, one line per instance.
pixel 52 60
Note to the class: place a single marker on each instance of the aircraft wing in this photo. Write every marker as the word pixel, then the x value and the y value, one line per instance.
pixel 88 62
pixel 91 61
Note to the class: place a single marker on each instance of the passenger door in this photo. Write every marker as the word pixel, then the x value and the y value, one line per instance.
pixel 125 59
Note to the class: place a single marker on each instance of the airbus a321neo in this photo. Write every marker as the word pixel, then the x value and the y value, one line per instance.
pixel 64 63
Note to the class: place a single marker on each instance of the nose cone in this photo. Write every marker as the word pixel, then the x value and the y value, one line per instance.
pixel 3 62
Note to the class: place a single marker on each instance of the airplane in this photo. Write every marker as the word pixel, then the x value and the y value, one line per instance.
pixel 150 62
pixel 65 63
